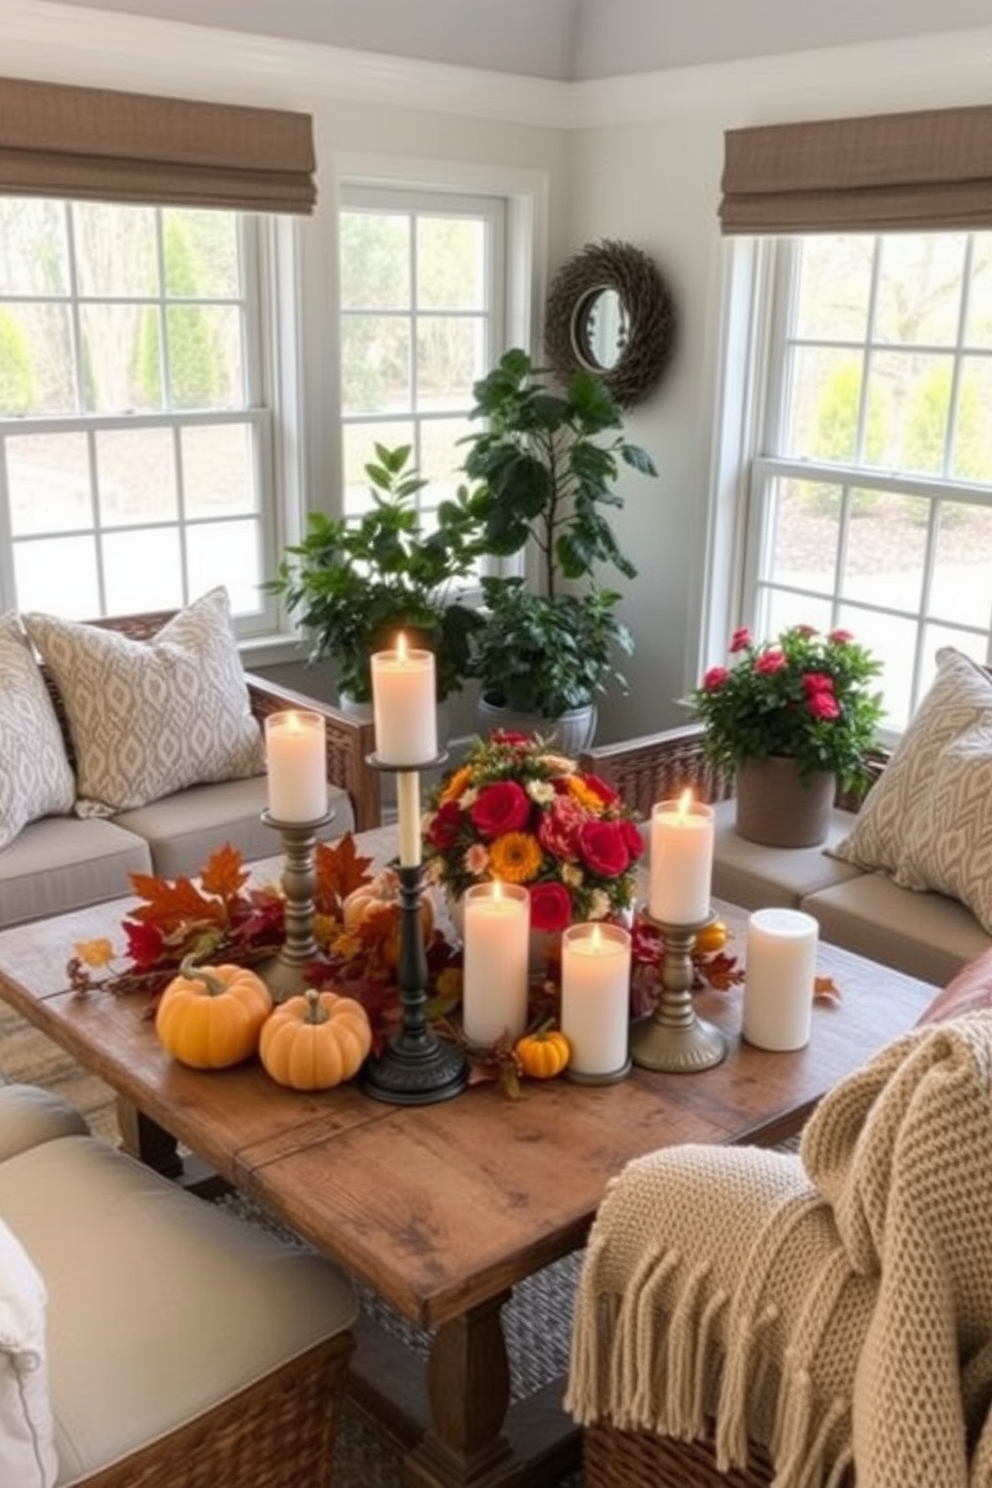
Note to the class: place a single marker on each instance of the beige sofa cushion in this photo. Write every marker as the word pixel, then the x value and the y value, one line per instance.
pixel 925 935
pixel 62 863
pixel 35 778
pixel 160 1305
pixel 27 1442
pixel 928 821
pixel 29 1115
pixel 753 876
pixel 148 718
pixel 183 830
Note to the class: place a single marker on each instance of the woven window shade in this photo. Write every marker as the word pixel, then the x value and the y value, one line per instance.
pixel 929 171
pixel 101 145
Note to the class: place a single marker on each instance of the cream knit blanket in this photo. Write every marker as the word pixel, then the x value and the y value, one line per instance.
pixel 836 1306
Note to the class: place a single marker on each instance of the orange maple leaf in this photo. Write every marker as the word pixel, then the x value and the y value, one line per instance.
pixel 168 904
pixel 340 869
pixel 225 874
pixel 825 989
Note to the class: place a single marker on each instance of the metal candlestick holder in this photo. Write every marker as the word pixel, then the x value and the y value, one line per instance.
pixel 674 1038
pixel 415 1068
pixel 284 974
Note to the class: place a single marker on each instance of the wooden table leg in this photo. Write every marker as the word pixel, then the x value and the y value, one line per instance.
pixel 147 1141
pixel 468 1385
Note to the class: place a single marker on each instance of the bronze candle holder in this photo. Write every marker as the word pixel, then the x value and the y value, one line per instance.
pixel 674 1038
pixel 284 974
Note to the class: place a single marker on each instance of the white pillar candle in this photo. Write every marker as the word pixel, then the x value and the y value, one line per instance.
pixel 497 944
pixel 681 861
pixel 408 811
pixel 296 758
pixel 595 997
pixel 779 969
pixel 404 706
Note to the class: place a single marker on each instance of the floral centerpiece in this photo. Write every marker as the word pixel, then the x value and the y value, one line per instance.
pixel 518 811
pixel 806 696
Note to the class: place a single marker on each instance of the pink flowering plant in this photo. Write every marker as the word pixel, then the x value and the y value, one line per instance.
pixel 518 811
pixel 806 695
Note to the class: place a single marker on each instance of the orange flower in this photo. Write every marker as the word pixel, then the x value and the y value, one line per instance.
pixel 515 857
pixel 583 793
pixel 460 781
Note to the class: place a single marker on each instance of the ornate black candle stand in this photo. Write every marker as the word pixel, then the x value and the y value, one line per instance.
pixel 674 1038
pixel 284 974
pixel 415 1068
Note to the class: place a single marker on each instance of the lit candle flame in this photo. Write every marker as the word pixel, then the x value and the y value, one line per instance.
pixel 402 651
pixel 596 938
pixel 685 804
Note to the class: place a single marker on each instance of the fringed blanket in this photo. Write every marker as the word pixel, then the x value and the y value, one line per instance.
pixel 836 1305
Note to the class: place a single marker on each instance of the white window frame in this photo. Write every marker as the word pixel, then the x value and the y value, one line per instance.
pixel 759 277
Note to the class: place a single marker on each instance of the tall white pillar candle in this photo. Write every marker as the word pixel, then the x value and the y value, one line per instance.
pixel 404 706
pixel 779 968
pixel 681 861
pixel 497 945
pixel 595 997
pixel 408 812
pixel 296 761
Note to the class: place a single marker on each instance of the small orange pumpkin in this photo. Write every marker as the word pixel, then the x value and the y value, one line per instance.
pixel 210 1017
pixel 543 1053
pixel 315 1040
pixel 381 897
pixel 712 937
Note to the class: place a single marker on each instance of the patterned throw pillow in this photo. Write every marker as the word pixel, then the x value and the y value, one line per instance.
pixel 152 717
pixel 35 777
pixel 928 821
pixel 27 1431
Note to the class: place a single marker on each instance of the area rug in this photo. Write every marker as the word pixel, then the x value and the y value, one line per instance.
pixel 537 1320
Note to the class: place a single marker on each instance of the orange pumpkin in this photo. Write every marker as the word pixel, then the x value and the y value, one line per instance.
pixel 379 902
pixel 315 1040
pixel 210 1017
pixel 712 937
pixel 543 1053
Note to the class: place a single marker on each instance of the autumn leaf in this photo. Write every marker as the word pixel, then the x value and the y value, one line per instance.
pixel 168 904
pixel 94 952
pixel 825 989
pixel 225 874
pixel 721 972
pixel 144 943
pixel 339 869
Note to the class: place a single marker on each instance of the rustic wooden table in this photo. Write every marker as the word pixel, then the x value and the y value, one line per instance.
pixel 442 1209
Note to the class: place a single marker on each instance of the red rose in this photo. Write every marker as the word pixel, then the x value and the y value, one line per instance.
pixel 715 677
pixel 632 837
pixel 814 682
pixel 823 705
pixel 771 662
pixel 740 640
pixel 443 830
pixel 499 808
pixel 550 906
pixel 603 849
pixel 605 792
pixel 840 637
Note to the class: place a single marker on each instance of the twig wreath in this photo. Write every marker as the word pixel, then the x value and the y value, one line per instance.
pixel 648 310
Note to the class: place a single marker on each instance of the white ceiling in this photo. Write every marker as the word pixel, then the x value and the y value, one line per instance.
pixel 572 39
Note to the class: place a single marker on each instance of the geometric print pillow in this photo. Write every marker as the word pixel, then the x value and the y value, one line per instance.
pixel 928 820
pixel 35 776
pixel 148 718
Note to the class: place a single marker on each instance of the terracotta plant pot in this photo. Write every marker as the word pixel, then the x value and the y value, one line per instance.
pixel 778 809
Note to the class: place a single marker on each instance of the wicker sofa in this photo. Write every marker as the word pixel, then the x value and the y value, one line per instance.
pixel 61 862
pixel 148 1337
pixel 927 935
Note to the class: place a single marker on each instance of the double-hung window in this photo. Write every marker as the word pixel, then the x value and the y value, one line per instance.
pixel 422 290
pixel 134 431
pixel 859 372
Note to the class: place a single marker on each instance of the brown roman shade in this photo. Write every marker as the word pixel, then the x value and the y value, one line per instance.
pixel 103 145
pixel 928 171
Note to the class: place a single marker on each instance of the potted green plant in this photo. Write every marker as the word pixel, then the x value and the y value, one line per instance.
pixel 543 469
pixel 353 584
pixel 792 719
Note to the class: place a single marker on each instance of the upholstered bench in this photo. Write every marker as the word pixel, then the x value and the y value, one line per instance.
pixel 147 1336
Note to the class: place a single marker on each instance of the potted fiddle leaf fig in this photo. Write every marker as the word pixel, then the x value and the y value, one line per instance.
pixel 354 584
pixel 543 468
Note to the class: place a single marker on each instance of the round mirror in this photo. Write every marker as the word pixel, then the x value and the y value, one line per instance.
pixel 609 311
pixel 599 330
